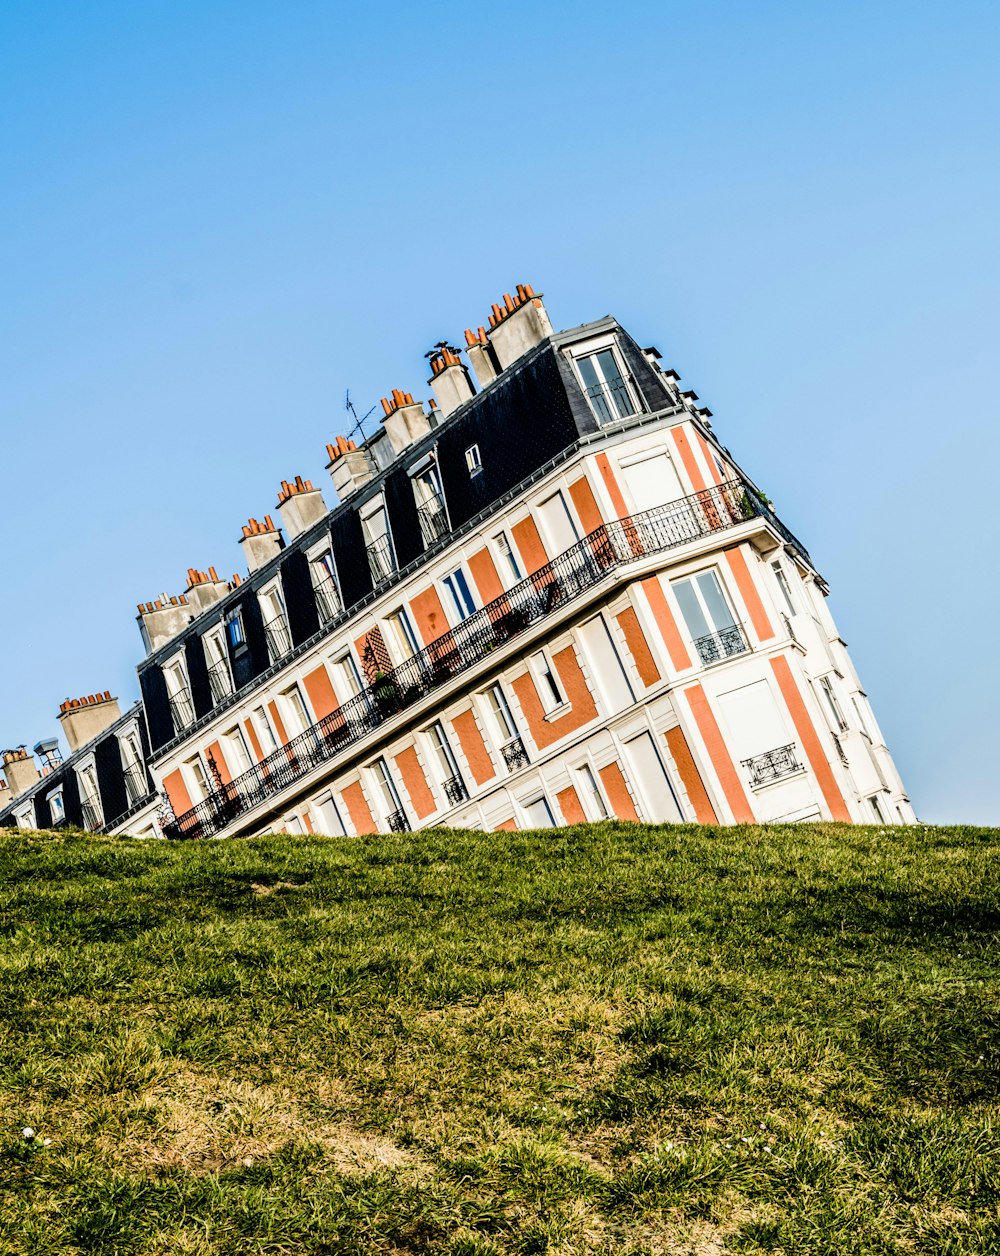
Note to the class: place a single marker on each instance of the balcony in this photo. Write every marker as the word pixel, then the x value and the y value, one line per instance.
pixel 771 766
pixel 92 818
pixel 610 402
pixel 279 642
pixel 567 577
pixel 381 562
pixel 327 601
pixel 397 822
pixel 454 790
pixel 136 786
pixel 433 520
pixel 724 644
pixel 220 682
pixel 514 754
pixel 181 710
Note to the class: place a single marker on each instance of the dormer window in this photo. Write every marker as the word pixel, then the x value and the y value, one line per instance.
pixel 473 461
pixel 323 574
pixel 430 503
pixel 57 809
pixel 378 544
pixel 272 607
pixel 604 383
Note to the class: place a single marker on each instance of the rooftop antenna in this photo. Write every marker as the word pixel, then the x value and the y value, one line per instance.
pixel 349 407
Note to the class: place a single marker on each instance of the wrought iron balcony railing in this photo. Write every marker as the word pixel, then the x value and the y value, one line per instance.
pixel 514 754
pixel 772 765
pixel 611 402
pixel 327 601
pixel 181 709
pixel 726 643
pixel 454 790
pixel 279 641
pixel 92 818
pixel 397 822
pixel 220 681
pixel 381 562
pixel 136 785
pixel 559 582
pixel 433 520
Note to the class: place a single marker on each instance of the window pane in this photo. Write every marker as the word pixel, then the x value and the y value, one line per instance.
pixel 592 383
pixel 718 607
pixel 694 616
pixel 615 383
pixel 539 814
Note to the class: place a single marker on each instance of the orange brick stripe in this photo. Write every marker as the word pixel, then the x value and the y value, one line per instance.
pixel 358 810
pixel 611 483
pixel 569 805
pixel 320 692
pixel 529 544
pixel 666 623
pixel 582 706
pixel 806 730
pixel 697 794
pixel 725 769
pixel 506 826
pixel 748 592
pixel 473 747
pixel 638 646
pixel 415 782
pixel 582 496
pixel 713 470
pixel 484 573
pixel 177 792
pixel 617 792
pixel 688 458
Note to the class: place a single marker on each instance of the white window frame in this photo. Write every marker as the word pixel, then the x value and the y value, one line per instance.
pixel 784 585
pixel 590 349
pixel 830 702
pixel 547 685
pixel 293 703
pixel 386 789
pixel 234 741
pixel 473 461
pixel 457 613
pixel 714 629
pixel 505 559
pixel 269 741
pixel 323 565
pixel 202 788
pixel 86 772
pixel 52 798
pixel 402 637
pixel 590 791
pixel 366 513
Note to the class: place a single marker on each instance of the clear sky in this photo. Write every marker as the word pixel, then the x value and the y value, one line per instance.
pixel 216 218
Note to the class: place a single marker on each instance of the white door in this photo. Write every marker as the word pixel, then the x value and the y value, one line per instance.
pixel 651 480
pixel 658 800
pixel 558 529
pixel 605 665
pixel 329 818
pixel 753 720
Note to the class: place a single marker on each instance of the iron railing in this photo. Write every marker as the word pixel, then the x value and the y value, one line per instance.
pixel 279 641
pixel 327 601
pixel 397 822
pixel 181 710
pixel 136 785
pixel 567 576
pixel 92 818
pixel 454 790
pixel 724 644
pixel 381 562
pixel 611 402
pixel 433 520
pixel 220 681
pixel 514 754
pixel 772 765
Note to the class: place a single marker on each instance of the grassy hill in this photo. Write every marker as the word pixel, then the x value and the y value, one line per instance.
pixel 607 1039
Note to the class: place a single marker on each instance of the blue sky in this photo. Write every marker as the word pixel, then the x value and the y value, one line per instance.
pixel 217 218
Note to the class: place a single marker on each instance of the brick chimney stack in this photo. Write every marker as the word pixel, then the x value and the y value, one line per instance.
pixel 300 506
pixel 404 420
pixel 482 356
pixel 518 325
pixel 20 771
pixel 350 467
pixel 204 588
pixel 162 620
pixel 449 379
pixel 83 719
pixel 261 542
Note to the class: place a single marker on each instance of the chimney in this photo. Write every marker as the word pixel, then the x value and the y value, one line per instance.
pixel 162 620
pixel 350 467
pixel 404 420
pixel 518 325
pixel 300 506
pixel 48 751
pixel 449 379
pixel 20 771
pixel 204 588
pixel 83 719
pixel 5 794
pixel 482 356
pixel 261 542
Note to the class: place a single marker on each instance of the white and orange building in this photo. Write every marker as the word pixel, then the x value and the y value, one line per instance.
pixel 548 596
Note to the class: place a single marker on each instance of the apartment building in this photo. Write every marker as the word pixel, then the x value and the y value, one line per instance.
pixel 550 595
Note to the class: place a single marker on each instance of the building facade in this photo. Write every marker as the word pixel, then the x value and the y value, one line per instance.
pixel 551 598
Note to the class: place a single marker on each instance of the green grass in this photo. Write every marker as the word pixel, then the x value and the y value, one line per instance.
pixel 608 1039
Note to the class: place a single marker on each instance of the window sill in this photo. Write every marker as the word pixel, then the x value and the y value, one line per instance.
pixel 556 713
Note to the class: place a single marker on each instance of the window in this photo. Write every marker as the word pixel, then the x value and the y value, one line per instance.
pixel 448 775
pixel 538 814
pixel 264 731
pixel 234 630
pixel 876 805
pixel 217 657
pixel 548 686
pixel 460 593
pixel 296 715
pixel 392 808
pixel 56 807
pixel 431 511
pixel 378 545
pixel 832 704
pixel 785 587
pixel 558 528
pixel 401 635
pixel 500 711
pixel 236 751
pixel 272 606
pixel 709 620
pixel 323 574
pixel 473 461
pixel 347 677
pixel 591 797
pixel 179 695
pixel 605 386
pixel 130 749
pixel 197 779
pixel 508 561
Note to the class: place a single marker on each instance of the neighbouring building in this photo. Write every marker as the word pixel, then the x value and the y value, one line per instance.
pixel 550 595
